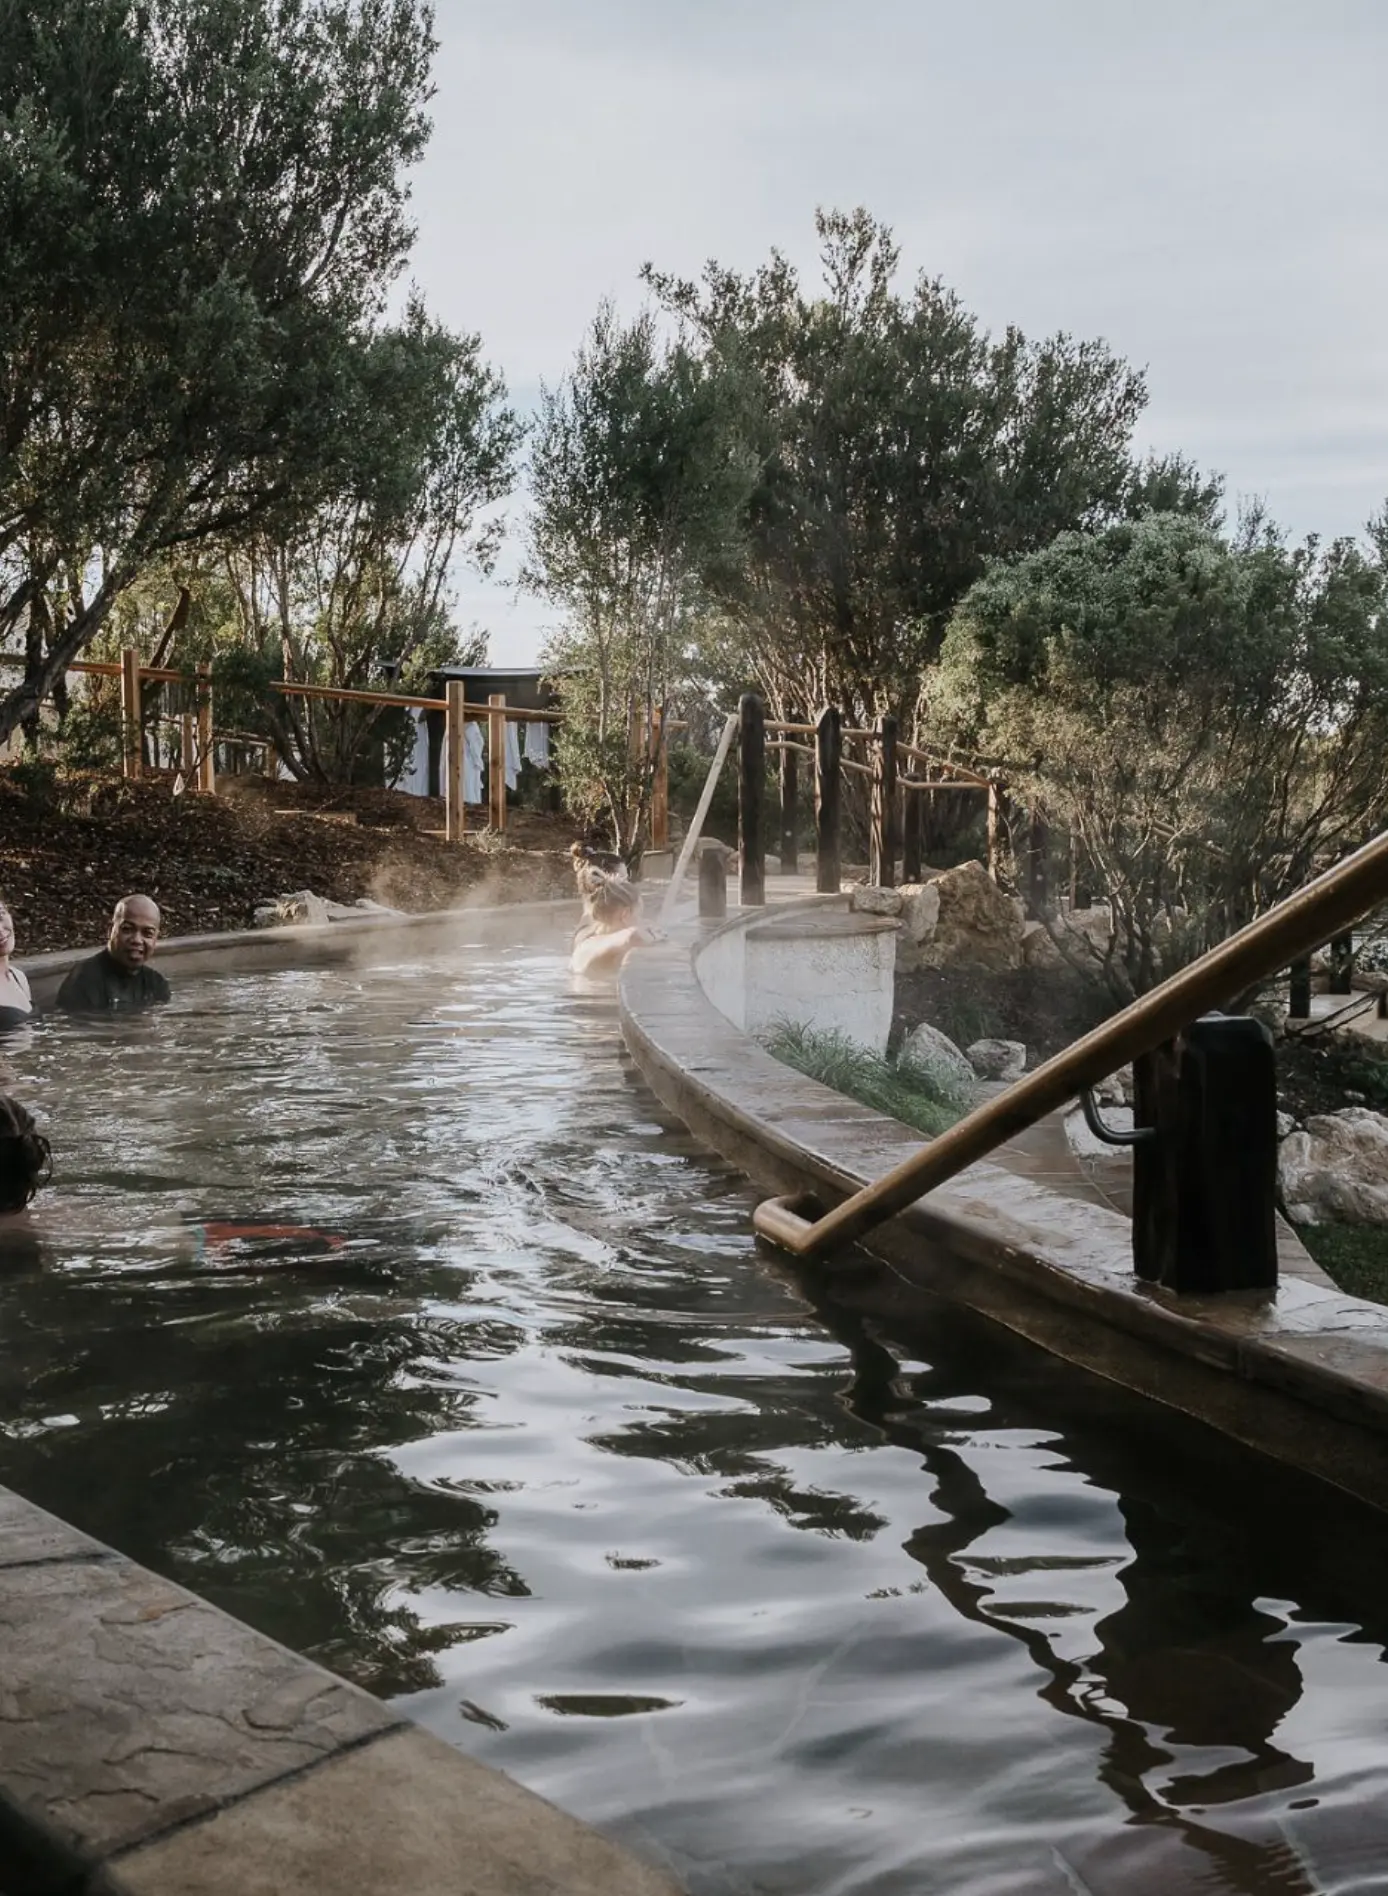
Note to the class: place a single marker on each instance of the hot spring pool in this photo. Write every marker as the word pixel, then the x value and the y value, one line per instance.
pixel 549 1455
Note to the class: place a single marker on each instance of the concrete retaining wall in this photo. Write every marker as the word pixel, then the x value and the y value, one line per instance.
pixel 814 963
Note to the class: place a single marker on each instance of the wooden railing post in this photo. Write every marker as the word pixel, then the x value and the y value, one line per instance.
pixel 994 812
pixel 496 760
pixel 207 756
pixel 912 855
pixel 828 800
pixel 132 732
pixel 751 799
pixel 453 751
pixel 660 782
pixel 790 805
pixel 187 746
pixel 882 847
pixel 1299 990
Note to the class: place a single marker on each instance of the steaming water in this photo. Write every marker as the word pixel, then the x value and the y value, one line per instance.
pixel 549 1455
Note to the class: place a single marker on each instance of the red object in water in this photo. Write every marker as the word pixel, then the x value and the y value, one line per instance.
pixel 229 1233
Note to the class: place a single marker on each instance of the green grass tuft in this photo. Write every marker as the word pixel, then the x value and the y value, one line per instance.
pixel 917 1095
pixel 1355 1256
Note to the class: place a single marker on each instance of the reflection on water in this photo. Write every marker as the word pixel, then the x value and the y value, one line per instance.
pixel 548 1453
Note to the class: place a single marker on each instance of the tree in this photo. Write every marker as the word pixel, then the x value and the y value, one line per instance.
pixel 639 477
pixel 1208 717
pixel 202 206
pixel 360 594
pixel 900 446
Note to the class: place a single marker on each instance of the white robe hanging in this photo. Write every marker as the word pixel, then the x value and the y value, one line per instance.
pixel 537 744
pixel 473 748
pixel 513 758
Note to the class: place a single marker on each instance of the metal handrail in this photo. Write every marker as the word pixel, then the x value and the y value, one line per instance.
pixel 1294 928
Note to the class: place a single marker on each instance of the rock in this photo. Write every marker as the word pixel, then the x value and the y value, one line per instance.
pixel 1336 1169
pixel 977 927
pixel 869 900
pixel 302 907
pixel 1088 933
pixel 1038 950
pixel 920 911
pixel 925 1046
pixel 997 1059
pixel 1116 1089
pixel 1286 1125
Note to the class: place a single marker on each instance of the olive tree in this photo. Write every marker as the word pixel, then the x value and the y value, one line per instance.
pixel 1209 717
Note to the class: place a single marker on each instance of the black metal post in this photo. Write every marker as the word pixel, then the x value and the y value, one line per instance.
pixel 1299 991
pixel 751 799
pixel 790 805
pixel 882 849
pixel 1341 965
pixel 828 800
pixel 1205 1187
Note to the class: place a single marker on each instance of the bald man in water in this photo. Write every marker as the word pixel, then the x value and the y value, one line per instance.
pixel 118 979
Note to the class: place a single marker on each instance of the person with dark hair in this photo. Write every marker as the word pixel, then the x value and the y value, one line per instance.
pixel 16 1003
pixel 26 1160
pixel 26 1165
pixel 118 978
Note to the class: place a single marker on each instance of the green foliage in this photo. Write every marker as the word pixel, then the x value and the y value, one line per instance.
pixel 906 1089
pixel 639 478
pixel 1355 1256
pixel 899 446
pixel 202 205
pixel 1209 718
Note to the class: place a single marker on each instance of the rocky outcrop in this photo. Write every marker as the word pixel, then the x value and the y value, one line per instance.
pixel 1335 1170
pixel 867 899
pixel 925 1046
pixel 977 926
pixel 303 908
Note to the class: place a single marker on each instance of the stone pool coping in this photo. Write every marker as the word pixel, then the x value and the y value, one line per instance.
pixel 152 1745
pixel 1302 1376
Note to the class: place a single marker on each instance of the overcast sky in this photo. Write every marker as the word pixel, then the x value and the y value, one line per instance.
pixel 1200 182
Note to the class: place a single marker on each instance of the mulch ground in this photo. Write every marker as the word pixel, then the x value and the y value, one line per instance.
pixel 70 848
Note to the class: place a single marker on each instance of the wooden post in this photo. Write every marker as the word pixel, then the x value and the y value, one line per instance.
pixel 713 883
pixel 994 811
pixel 207 756
pixel 790 807
pixel 828 800
pixel 132 732
pixel 496 760
pixel 660 783
pixel 187 747
pixel 882 847
pixel 453 751
pixel 751 799
pixel 1038 846
pixel 912 859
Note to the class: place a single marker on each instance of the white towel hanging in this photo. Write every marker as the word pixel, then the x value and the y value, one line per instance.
pixel 537 744
pixel 513 757
pixel 473 748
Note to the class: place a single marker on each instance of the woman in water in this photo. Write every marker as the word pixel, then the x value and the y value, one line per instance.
pixel 611 925
pixel 16 1003
pixel 26 1165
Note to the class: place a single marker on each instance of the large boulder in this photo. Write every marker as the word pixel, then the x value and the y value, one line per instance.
pixel 997 1059
pixel 977 927
pixel 868 899
pixel 1336 1169
pixel 925 1046
pixel 1038 949
pixel 920 910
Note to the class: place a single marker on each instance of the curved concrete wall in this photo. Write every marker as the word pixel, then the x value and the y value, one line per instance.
pixel 813 963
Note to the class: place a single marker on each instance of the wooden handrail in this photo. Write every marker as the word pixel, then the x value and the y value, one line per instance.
pixel 1296 927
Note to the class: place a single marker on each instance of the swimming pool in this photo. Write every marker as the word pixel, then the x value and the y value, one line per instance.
pixel 549 1454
